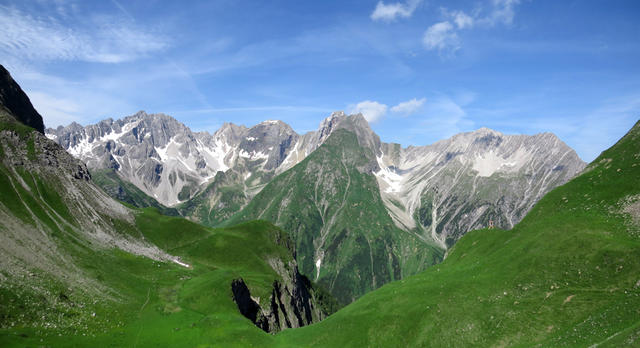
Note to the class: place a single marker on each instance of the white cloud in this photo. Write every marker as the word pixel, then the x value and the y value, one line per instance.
pixel 107 41
pixel 444 35
pixel 502 12
pixel 462 19
pixel 441 36
pixel 409 107
pixel 389 12
pixel 371 110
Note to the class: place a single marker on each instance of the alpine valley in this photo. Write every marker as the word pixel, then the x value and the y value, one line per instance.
pixel 139 232
pixel 360 212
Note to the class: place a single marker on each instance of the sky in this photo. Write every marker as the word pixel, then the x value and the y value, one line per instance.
pixel 419 70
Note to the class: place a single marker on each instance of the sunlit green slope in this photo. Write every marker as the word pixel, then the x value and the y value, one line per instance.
pixel 149 303
pixel 567 275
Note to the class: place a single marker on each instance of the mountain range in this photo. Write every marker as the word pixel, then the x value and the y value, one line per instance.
pixel 422 198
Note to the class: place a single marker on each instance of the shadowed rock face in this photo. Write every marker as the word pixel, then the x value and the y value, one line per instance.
pixel 16 101
pixel 293 301
pixel 247 306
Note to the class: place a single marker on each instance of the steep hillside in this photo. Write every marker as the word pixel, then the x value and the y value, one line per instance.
pixel 567 275
pixel 226 195
pixel 70 275
pixel 331 206
pixel 47 197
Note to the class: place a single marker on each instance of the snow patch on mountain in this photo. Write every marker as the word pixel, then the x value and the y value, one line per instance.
pixel 391 180
pixel 487 164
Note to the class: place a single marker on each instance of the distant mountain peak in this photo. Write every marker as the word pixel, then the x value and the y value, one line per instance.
pixel 486 130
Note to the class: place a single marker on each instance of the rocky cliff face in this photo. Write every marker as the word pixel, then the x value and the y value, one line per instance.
pixel 293 301
pixel 462 183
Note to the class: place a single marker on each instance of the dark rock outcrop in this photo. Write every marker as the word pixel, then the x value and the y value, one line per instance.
pixel 16 101
pixel 293 302
pixel 247 306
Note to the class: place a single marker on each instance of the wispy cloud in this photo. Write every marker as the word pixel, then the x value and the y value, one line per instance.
pixel 45 38
pixel 442 118
pixel 371 110
pixel 502 11
pixel 374 111
pixel 62 102
pixel 58 110
pixel 597 130
pixel 462 20
pixel 409 107
pixel 443 36
pixel 390 12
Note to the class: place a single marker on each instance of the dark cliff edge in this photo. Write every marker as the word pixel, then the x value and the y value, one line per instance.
pixel 294 300
pixel 21 146
pixel 13 98
pixel 293 303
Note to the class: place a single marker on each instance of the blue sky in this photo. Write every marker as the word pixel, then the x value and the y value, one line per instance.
pixel 420 71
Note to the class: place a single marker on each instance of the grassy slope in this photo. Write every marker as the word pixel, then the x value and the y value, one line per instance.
pixel 126 192
pixel 326 203
pixel 567 275
pixel 160 304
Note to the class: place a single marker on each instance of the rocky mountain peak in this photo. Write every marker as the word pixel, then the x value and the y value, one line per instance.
pixel 329 124
pixel 230 131
pixel 355 123
pixel 485 130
